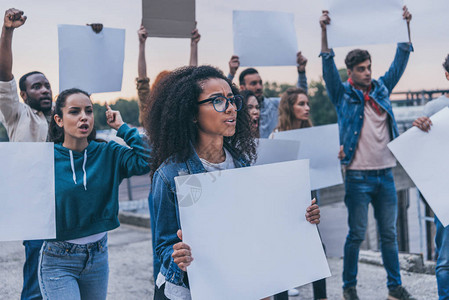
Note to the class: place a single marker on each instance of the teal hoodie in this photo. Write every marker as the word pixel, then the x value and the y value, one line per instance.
pixel 87 183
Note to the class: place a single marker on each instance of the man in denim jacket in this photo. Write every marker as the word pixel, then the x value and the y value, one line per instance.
pixel 367 124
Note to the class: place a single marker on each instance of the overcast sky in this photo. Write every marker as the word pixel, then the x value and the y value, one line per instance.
pixel 35 45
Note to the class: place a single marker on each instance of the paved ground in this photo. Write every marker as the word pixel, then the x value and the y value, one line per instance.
pixel 131 269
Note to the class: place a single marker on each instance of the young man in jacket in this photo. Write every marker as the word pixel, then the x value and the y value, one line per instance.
pixel 367 125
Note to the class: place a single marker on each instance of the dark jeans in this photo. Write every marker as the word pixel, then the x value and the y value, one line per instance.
pixel 362 188
pixel 159 293
pixel 319 291
pixel 31 290
pixel 442 269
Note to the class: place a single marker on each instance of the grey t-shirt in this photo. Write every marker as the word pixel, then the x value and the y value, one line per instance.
pixel 436 105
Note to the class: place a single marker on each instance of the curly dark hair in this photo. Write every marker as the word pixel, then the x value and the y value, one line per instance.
pixel 56 133
pixel 446 64
pixel 355 57
pixel 169 122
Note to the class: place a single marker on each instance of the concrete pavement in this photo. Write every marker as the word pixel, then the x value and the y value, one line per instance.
pixel 130 259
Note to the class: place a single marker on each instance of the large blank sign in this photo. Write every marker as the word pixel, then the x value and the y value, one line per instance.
pixel 321 145
pixel 27 191
pixel 247 231
pixel 363 22
pixel 91 61
pixel 169 18
pixel 424 157
pixel 265 38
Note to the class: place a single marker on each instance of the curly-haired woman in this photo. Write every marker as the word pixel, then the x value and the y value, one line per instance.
pixel 196 123
pixel 253 106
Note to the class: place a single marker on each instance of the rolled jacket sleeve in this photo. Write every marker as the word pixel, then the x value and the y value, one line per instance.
pixel 143 92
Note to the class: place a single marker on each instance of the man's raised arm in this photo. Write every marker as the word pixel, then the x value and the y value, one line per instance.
pixel 14 18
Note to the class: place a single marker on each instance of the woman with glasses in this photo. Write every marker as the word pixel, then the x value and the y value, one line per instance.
pixel 196 123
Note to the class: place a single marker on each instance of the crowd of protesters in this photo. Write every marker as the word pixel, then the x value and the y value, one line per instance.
pixel 197 119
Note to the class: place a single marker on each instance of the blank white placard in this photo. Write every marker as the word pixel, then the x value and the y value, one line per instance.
pixel 91 61
pixel 248 232
pixel 424 157
pixel 273 151
pixel 27 191
pixel 265 38
pixel 321 145
pixel 364 22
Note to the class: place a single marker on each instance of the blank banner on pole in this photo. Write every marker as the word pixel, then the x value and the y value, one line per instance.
pixel 169 18
pixel 249 243
pixel 364 22
pixel 265 38
pixel 91 61
pixel 424 156
pixel 27 191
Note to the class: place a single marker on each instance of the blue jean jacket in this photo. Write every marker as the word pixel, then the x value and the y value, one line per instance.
pixel 349 102
pixel 166 211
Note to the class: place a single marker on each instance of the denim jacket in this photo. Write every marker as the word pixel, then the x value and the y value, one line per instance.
pixel 166 211
pixel 349 102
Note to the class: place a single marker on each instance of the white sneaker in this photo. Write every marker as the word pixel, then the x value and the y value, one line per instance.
pixel 293 292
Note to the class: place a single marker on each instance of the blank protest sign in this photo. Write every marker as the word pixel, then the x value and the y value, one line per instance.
pixel 321 145
pixel 424 156
pixel 91 61
pixel 169 18
pixel 27 191
pixel 364 22
pixel 265 38
pixel 249 243
pixel 273 151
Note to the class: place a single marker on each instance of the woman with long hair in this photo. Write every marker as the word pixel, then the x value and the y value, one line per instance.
pixel 294 113
pixel 197 123
pixel 87 178
pixel 294 110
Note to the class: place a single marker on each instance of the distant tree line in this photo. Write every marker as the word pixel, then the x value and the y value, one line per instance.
pixel 322 110
pixel 129 109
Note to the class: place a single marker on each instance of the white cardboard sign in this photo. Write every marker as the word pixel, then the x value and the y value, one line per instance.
pixel 91 61
pixel 27 191
pixel 247 231
pixel 424 157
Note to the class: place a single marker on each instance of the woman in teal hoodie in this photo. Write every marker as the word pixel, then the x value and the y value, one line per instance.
pixel 87 177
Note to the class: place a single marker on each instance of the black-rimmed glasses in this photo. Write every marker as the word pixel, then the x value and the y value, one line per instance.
pixel 221 103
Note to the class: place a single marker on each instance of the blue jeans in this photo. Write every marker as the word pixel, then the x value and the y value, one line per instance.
pixel 71 271
pixel 442 269
pixel 30 289
pixel 362 188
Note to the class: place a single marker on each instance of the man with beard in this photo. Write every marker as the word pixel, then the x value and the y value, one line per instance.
pixel 24 122
pixel 250 80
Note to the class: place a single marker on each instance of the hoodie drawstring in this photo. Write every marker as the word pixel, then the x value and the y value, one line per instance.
pixel 72 164
pixel 84 170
